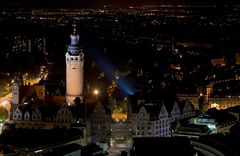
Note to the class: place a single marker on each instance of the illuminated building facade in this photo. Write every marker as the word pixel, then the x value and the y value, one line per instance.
pixel 74 70
pixel 100 125
pixel 24 116
pixel 218 122
pixel 155 119
pixel 16 86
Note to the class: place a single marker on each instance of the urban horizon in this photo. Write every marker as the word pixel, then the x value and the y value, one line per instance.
pixel 105 80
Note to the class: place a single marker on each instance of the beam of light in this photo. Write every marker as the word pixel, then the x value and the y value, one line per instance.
pixel 125 86
pixel 108 68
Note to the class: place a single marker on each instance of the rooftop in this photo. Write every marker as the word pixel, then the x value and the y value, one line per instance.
pixel 159 145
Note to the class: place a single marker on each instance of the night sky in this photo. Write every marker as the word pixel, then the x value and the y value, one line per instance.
pixel 82 3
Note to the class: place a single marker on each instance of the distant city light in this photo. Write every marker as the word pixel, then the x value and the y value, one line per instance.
pixel 214 105
pixel 4 102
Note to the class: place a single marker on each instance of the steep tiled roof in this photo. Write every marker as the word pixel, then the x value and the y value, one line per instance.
pixel 79 111
pixel 48 111
pixel 153 110
pixel 221 116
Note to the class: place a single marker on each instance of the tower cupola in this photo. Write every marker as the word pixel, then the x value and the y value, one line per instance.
pixel 73 48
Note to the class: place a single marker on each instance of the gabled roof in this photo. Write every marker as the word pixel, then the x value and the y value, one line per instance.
pixel 27 91
pixel 48 110
pixel 182 104
pixel 153 109
pixel 221 116
pixel 194 128
pixel 79 111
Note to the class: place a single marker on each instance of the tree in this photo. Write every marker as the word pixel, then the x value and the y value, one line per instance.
pixel 77 101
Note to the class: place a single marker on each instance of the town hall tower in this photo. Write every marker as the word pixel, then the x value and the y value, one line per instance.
pixel 74 70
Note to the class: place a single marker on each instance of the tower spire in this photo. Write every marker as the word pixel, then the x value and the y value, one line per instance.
pixel 74 29
pixel 73 48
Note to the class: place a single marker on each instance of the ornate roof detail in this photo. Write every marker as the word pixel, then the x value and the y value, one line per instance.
pixel 73 48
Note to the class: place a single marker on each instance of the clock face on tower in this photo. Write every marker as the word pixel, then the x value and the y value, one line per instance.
pixel 15 87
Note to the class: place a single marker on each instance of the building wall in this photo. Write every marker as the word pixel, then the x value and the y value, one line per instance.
pixel 32 119
pixel 100 125
pixel 74 77
pixel 143 126
pixel 223 103
pixel 219 103
pixel 16 93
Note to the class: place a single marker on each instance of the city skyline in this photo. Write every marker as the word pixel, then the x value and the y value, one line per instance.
pixel 114 3
pixel 109 80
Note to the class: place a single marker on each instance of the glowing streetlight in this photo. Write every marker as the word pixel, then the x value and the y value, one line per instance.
pixel 96 92
pixel 214 105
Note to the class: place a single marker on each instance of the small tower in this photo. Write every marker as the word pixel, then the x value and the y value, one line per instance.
pixel 16 87
pixel 74 70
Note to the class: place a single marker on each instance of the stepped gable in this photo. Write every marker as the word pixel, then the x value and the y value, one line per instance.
pixel 169 107
pixel 48 111
pixel 79 111
pixel 183 103
pixel 153 109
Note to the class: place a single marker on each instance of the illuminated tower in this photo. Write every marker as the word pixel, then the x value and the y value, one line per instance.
pixel 16 86
pixel 74 70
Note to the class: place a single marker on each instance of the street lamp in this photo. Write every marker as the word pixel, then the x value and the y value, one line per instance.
pixel 96 92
